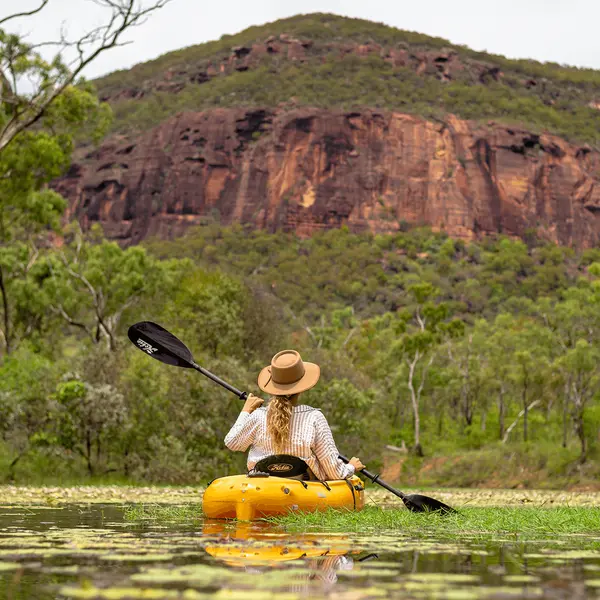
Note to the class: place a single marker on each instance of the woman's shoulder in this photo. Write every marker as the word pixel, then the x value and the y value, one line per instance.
pixel 304 408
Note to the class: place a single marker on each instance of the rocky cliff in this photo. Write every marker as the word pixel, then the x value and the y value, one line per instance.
pixel 309 169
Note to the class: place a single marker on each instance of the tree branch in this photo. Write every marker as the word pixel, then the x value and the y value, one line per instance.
pixel 514 423
pixel 63 313
pixel 25 14
pixel 125 14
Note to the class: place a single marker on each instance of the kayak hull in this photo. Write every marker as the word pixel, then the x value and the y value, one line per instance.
pixel 248 498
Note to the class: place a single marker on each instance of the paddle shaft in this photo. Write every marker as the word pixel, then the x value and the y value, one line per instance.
pixel 241 395
pixel 375 479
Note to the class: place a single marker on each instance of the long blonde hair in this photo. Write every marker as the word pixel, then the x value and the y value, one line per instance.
pixel 279 415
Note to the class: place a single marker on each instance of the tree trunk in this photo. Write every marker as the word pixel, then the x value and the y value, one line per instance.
pixel 7 332
pixel 415 405
pixel 501 410
pixel 579 427
pixel 514 423
pixel 13 464
pixel 88 446
pixel 525 413
pixel 565 415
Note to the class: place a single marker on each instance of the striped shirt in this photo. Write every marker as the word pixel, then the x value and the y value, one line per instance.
pixel 310 439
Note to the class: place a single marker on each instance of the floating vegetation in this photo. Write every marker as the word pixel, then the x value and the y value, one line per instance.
pixel 185 513
pixel 12 495
pixel 75 552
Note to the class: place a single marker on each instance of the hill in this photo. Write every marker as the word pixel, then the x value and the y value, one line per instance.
pixel 319 121
pixel 336 62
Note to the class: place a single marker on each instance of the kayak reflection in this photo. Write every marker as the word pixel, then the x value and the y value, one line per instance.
pixel 240 544
pixel 259 547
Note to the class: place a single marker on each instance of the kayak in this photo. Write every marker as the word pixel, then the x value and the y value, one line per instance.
pixel 247 498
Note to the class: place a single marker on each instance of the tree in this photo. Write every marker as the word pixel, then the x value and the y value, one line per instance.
pixel 26 381
pixel 43 105
pixel 467 356
pixel 499 347
pixel 574 325
pixel 209 307
pixel 53 80
pixel 28 209
pixel 87 417
pixel 528 364
pixel 93 282
pixel 424 329
pixel 580 367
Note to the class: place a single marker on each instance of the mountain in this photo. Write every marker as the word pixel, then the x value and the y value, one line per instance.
pixel 318 121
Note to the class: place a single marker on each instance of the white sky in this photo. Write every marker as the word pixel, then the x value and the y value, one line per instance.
pixel 562 31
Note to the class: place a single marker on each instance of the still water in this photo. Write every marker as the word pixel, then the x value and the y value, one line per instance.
pixel 91 551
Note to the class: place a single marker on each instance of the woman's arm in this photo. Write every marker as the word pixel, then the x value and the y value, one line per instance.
pixel 241 435
pixel 327 453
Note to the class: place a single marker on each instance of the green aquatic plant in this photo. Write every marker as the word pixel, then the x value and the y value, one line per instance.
pixel 522 523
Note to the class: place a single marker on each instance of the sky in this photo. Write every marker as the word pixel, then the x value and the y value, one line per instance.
pixel 562 31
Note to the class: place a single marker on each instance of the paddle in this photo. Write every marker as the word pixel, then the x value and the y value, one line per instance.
pixel 414 502
pixel 162 345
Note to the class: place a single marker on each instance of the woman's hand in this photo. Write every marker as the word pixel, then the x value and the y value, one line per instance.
pixel 252 403
pixel 356 463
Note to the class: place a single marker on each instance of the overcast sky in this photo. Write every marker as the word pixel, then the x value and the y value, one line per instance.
pixel 562 31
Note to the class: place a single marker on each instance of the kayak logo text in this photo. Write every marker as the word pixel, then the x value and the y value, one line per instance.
pixel 146 347
pixel 280 467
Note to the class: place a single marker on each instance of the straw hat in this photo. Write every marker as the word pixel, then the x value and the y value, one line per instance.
pixel 288 374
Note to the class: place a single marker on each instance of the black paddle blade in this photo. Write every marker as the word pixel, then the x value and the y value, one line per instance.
pixel 419 503
pixel 160 344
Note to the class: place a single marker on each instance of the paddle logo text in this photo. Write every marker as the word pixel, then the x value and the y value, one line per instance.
pixel 146 347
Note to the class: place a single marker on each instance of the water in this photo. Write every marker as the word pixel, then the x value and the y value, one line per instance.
pixel 90 551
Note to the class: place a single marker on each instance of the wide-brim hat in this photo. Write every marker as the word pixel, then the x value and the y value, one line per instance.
pixel 288 374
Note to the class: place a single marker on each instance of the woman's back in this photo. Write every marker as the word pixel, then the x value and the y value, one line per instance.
pixel 286 427
pixel 309 438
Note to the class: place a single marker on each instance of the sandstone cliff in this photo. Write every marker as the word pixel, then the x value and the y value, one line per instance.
pixel 308 169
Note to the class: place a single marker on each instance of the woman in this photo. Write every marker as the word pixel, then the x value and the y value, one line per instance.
pixel 284 427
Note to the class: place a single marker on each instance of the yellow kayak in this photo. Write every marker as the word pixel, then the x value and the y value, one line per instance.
pixel 248 498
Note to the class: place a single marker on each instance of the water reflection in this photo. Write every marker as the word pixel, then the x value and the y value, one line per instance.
pixel 90 552
pixel 256 548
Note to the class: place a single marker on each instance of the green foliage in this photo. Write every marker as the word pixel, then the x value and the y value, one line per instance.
pixel 510 359
pixel 31 157
pixel 560 103
pixel 86 416
pixel 91 284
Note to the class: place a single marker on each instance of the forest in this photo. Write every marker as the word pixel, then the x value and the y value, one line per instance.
pixel 432 346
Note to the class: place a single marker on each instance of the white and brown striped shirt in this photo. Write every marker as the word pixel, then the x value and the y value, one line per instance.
pixel 310 439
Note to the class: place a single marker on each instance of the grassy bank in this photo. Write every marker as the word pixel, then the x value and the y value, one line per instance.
pixel 514 522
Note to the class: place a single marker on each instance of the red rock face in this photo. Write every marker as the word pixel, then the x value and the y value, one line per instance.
pixel 310 169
